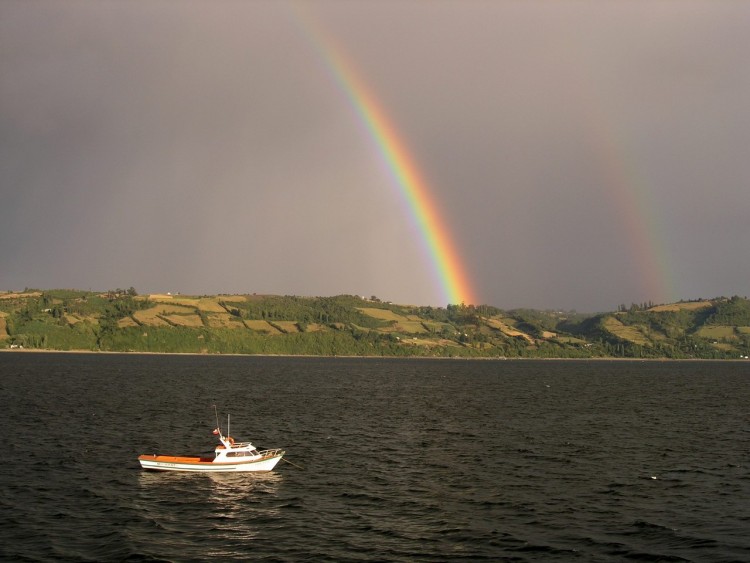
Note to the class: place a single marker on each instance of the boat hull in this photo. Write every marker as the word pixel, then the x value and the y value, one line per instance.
pixel 206 465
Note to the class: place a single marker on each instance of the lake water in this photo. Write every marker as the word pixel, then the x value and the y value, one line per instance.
pixel 404 460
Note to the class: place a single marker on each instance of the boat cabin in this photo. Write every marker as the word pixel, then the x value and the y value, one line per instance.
pixel 231 449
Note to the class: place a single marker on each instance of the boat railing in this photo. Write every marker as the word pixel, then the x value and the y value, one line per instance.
pixel 240 444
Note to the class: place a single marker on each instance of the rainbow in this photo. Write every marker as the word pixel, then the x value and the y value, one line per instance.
pixel 629 193
pixel 627 187
pixel 445 257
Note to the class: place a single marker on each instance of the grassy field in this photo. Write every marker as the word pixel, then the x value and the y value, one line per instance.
pixel 189 320
pixel 416 341
pixel 231 298
pixel 407 327
pixel 631 333
pixel 674 307
pixel 159 297
pixel 408 324
pixel 262 326
pixel 209 304
pixel 14 295
pixel 126 322
pixel 224 320
pixel 504 326
pixel 435 326
pixel 570 340
pixel 382 314
pixel 73 319
pixel 717 332
pixel 289 327
pixel 150 317
pixel 172 309
pixel 180 315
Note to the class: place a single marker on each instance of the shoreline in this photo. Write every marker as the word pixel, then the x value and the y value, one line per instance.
pixel 497 359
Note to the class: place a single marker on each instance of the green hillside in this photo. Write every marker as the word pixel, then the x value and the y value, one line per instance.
pixel 123 321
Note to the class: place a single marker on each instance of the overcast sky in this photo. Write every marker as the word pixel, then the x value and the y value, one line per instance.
pixel 584 154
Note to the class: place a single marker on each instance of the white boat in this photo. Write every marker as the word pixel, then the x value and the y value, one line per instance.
pixel 228 456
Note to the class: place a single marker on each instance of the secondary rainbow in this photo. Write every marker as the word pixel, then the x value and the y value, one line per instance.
pixel 445 257
pixel 626 182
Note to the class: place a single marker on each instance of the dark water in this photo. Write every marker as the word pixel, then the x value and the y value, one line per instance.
pixel 405 460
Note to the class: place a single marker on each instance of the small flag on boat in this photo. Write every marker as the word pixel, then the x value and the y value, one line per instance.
pixel 215 432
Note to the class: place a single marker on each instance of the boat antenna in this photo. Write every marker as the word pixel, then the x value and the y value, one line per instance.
pixel 218 426
pixel 228 415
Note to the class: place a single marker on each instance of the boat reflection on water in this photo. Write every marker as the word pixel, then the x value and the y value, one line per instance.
pixel 237 487
pixel 232 507
pixel 219 488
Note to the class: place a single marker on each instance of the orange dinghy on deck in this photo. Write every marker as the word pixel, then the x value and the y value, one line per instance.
pixel 228 456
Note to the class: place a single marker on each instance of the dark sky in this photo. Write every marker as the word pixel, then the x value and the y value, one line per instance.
pixel 584 154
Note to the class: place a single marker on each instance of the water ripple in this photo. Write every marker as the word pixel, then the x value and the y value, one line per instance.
pixel 404 460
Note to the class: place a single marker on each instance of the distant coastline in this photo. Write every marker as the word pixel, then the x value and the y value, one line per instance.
pixel 122 321
pixel 307 356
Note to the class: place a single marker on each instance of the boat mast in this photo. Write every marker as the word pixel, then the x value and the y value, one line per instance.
pixel 218 426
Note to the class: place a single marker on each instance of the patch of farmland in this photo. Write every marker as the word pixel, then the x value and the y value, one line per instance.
pixel 165 309
pixel 505 327
pixel 3 327
pixel 416 341
pixel 190 320
pixel 160 297
pixel 207 304
pixel 182 300
pixel 72 319
pixel 210 305
pixel 170 309
pixel 151 316
pixel 381 314
pixel 630 333
pixel 436 326
pixel 262 326
pixel 287 326
pixel 126 322
pixel 232 298
pixel 673 307
pixel 719 332
pixel 429 343
pixel 224 320
pixel 14 295
pixel 570 340
pixel 410 327
pixel 743 329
